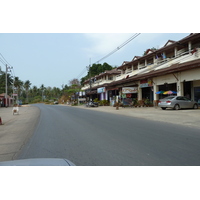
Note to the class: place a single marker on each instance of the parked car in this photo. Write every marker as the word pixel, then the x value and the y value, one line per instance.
pixel 177 102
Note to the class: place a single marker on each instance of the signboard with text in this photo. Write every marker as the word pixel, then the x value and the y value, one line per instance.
pixel 146 83
pixel 126 90
pixel 101 90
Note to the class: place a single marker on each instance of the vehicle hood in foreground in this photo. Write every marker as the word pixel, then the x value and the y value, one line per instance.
pixel 38 162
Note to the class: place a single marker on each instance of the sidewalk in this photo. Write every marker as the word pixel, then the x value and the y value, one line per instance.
pixel 16 130
pixel 187 117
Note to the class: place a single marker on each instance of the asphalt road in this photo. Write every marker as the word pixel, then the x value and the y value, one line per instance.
pixel 91 138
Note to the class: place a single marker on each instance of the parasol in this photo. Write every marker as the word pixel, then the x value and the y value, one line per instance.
pixel 160 92
pixel 170 92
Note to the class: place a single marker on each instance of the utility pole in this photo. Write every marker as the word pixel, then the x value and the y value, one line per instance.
pixel 90 79
pixel 7 84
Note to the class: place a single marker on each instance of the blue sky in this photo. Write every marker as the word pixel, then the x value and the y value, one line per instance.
pixel 54 59
pixel 51 42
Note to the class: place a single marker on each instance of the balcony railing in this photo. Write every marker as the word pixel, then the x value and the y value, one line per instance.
pixel 181 57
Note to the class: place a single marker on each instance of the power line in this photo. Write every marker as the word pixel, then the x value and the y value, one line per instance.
pixel 7 64
pixel 2 61
pixel 6 60
pixel 115 50
pixel 119 47
pixel 82 72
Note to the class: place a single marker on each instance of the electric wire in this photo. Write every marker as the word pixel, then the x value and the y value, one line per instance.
pixel 2 61
pixel 6 60
pixel 119 47
pixel 112 52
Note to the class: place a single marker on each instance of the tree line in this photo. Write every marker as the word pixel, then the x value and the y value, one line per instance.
pixel 27 93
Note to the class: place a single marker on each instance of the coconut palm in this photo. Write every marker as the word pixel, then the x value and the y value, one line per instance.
pixel 42 88
pixel 3 82
pixel 27 85
pixel 18 85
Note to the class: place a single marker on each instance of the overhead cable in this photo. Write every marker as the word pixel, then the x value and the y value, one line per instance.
pixel 112 52
pixel 6 60
pixel 119 47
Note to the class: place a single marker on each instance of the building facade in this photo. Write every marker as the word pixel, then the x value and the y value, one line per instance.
pixel 174 67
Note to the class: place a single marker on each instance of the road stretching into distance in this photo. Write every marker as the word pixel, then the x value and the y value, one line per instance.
pixel 91 138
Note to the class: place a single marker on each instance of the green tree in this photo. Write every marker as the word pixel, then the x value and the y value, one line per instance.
pixel 42 89
pixel 3 83
pixel 96 69
pixel 18 84
pixel 27 85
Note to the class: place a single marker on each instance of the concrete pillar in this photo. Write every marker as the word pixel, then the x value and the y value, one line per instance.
pixel 139 93
pixel 106 95
pixel 101 96
pixel 180 91
pixel 145 62
pixel 155 96
pixel 155 89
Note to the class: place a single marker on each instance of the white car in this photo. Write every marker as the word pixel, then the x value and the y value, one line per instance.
pixel 177 102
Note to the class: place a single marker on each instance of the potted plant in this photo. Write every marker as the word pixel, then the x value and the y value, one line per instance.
pixel 135 102
pixel 147 102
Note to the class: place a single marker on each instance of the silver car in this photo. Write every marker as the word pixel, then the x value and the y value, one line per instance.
pixel 177 102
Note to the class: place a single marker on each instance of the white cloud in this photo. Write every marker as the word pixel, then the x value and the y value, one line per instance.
pixel 104 43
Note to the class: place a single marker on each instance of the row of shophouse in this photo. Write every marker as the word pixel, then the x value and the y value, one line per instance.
pixel 174 67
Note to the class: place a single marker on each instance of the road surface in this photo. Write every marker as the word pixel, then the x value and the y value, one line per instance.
pixel 91 138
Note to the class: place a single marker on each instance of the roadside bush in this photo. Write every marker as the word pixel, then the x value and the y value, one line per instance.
pixel 96 100
pixel 104 103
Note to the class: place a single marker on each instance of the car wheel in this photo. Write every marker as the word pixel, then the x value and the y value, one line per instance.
pixel 176 107
pixel 195 106
pixel 164 108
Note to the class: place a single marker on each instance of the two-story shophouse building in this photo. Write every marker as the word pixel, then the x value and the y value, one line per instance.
pixel 175 67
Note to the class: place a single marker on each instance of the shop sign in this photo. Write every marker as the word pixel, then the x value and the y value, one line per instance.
pixel 126 90
pixel 146 83
pixel 101 90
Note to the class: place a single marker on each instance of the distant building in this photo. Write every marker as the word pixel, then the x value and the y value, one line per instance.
pixel 3 100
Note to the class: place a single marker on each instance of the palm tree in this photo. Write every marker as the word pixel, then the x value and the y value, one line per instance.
pixel 3 82
pixel 42 88
pixel 27 85
pixel 35 90
pixel 18 85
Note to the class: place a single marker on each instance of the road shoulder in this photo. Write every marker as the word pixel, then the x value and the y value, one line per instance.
pixel 185 117
pixel 16 130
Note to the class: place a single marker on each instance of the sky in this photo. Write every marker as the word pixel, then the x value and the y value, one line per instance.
pixel 53 59
pixel 51 43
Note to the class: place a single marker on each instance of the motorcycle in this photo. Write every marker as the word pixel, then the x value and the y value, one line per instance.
pixel 92 104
